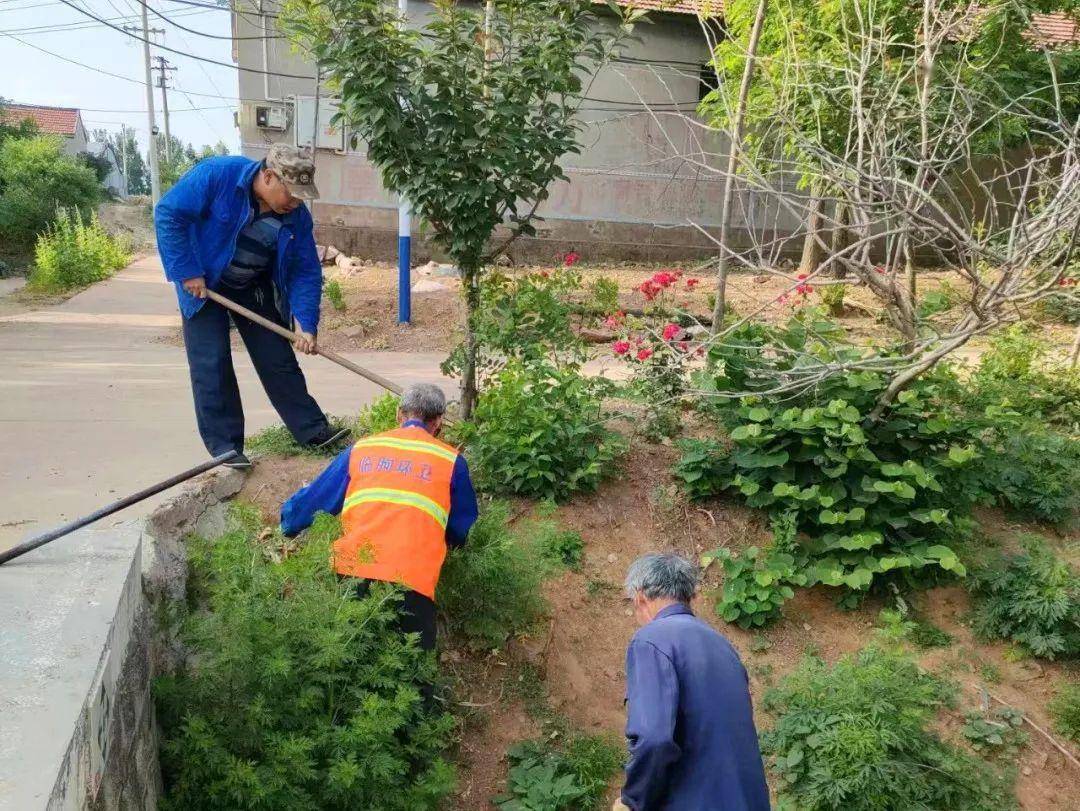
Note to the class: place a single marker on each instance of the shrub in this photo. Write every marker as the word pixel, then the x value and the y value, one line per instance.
pixel 377 416
pixel 757 583
pixel 543 778
pixel 1031 599
pixel 557 546
pixel 71 253
pixel 1014 375
pixel 1030 470
pixel 995 733
pixel 295 695
pixel 335 295
pixel 832 297
pixel 855 736
pixel 604 292
pixel 1065 710
pixel 522 317
pixel 1063 307
pixel 539 432
pixel 489 589
pixel 36 179
pixel 874 499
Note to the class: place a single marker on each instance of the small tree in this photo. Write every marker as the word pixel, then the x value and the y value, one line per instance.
pixel 468 118
pixel 127 149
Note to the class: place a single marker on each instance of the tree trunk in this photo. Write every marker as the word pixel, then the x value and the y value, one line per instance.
pixel 839 238
pixel 1074 353
pixel 470 278
pixel 811 249
pixel 734 148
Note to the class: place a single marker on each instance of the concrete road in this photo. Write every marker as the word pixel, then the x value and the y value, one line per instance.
pixel 93 405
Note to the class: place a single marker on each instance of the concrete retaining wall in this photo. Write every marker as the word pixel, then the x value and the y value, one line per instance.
pixel 79 647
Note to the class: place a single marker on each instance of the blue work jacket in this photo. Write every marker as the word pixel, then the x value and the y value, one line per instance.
pixel 198 222
pixel 690 723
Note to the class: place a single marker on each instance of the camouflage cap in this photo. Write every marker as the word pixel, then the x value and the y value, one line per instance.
pixel 296 168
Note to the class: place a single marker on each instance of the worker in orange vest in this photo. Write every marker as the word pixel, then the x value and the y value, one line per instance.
pixel 404 496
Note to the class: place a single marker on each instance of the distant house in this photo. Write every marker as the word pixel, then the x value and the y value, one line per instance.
pixel 114 183
pixel 63 121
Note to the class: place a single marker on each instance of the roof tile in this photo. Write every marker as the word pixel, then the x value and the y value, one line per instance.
pixel 50 120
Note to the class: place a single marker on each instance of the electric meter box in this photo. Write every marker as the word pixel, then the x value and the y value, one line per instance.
pixel 271 118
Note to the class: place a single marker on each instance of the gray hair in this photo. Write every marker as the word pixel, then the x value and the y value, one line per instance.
pixel 658 576
pixel 423 401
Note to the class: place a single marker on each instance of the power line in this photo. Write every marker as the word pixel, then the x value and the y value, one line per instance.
pixel 79 25
pixel 201 33
pixel 182 53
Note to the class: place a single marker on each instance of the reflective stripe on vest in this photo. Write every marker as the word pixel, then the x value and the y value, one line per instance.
pixel 396 509
pixel 405 498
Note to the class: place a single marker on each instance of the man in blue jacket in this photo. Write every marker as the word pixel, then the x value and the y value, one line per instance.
pixel 239 227
pixel 690 723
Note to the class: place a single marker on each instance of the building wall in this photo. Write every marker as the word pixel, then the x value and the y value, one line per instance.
pixel 631 193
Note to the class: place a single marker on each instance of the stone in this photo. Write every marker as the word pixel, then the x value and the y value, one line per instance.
pixel 761 278
pixel 347 264
pixel 612 558
pixel 447 271
pixel 806 626
pixel 332 253
pixel 1026 771
pixel 353 331
pixel 428 286
pixel 503 261
pixel 427 269
pixel 696 330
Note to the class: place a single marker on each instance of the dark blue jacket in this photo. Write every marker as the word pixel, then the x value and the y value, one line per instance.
pixel 327 494
pixel 690 724
pixel 199 220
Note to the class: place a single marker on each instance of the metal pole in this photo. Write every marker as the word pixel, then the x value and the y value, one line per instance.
pixel 155 178
pixel 116 506
pixel 123 151
pixel 290 336
pixel 165 112
pixel 404 230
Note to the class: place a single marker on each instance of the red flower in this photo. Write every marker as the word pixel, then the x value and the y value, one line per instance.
pixel 684 345
pixel 1065 281
pixel 571 259
pixel 692 283
pixel 615 320
pixel 620 347
pixel 671 330
pixel 801 276
pixel 543 274
pixel 782 298
pixel 664 278
pixel 649 289
pixel 644 354
pixel 879 269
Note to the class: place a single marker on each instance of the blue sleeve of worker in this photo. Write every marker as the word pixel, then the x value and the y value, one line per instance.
pixel 305 274
pixel 463 508
pixel 652 691
pixel 326 494
pixel 184 204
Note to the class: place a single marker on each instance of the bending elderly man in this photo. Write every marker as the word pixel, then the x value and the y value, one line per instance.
pixel 690 723
pixel 404 497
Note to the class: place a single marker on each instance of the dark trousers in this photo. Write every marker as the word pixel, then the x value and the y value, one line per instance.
pixel 218 409
pixel 416 615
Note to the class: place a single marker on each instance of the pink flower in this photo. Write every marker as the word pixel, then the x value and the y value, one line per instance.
pixel 571 259
pixel 644 354
pixel 879 269
pixel 692 283
pixel 671 330
pixel 782 298
pixel 620 347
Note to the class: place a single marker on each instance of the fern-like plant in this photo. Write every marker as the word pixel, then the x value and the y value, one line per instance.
pixel 295 695
pixel 1031 599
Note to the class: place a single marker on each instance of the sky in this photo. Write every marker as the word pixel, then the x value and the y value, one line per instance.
pixel 32 77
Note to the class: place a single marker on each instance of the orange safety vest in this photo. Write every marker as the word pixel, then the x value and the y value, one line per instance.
pixel 396 508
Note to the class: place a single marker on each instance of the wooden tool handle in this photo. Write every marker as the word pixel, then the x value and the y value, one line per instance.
pixel 289 335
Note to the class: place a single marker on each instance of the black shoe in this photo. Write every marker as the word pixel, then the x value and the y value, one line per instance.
pixel 328 439
pixel 239 462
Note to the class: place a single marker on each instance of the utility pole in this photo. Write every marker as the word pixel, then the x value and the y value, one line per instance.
pixel 123 159
pixel 146 31
pixel 404 228
pixel 161 67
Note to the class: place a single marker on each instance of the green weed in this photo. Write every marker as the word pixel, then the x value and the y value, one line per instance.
pixel 334 295
pixel 1065 710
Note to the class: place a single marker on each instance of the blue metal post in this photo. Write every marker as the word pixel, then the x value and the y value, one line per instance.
pixel 404 241
pixel 404 250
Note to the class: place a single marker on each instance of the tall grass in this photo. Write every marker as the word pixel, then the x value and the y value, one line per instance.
pixel 72 253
